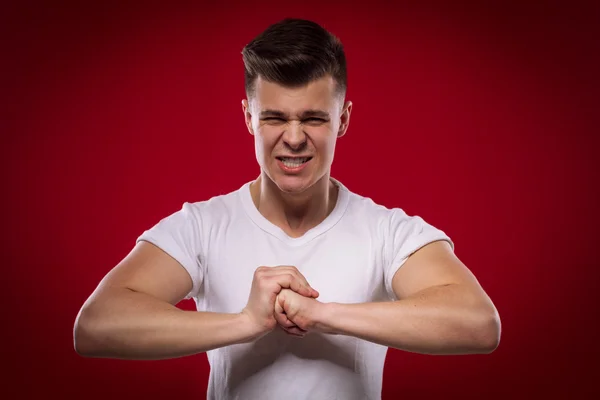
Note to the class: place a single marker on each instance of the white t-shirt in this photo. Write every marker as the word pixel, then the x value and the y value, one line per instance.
pixel 350 257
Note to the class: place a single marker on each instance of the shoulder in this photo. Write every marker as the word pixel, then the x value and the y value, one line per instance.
pixel 392 224
pixel 219 205
pixel 369 211
pixel 201 213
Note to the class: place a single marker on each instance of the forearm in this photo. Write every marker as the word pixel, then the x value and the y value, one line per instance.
pixel 440 320
pixel 131 325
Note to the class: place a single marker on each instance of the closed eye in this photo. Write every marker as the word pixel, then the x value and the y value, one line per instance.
pixel 311 120
pixel 273 120
pixel 314 121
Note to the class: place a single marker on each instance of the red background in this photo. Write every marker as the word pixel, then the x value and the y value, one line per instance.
pixel 481 119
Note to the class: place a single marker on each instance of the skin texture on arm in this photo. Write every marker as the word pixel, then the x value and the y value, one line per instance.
pixel 442 309
pixel 132 312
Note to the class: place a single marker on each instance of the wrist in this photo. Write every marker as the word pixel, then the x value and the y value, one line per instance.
pixel 325 317
pixel 250 329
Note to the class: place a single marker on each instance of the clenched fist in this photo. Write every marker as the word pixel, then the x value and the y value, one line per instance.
pixel 298 315
pixel 267 283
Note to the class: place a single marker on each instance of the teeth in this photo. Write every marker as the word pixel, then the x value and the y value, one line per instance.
pixel 294 162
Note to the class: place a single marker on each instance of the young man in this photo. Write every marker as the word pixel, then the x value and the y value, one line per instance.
pixel 300 285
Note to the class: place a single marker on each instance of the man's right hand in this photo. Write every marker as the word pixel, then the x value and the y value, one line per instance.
pixel 266 285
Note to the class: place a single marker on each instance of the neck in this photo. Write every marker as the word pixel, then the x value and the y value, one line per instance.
pixel 295 213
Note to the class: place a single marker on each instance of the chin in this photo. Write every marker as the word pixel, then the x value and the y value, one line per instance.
pixel 292 184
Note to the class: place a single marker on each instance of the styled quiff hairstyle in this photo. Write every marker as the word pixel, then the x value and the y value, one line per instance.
pixel 292 53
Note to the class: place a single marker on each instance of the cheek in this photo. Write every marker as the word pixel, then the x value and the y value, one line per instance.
pixel 262 143
pixel 258 147
pixel 268 136
pixel 267 131
pixel 326 144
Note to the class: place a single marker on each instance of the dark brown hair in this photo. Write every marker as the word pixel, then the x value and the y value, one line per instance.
pixel 294 52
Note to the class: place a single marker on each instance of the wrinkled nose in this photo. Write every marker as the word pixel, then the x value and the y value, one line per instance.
pixel 294 136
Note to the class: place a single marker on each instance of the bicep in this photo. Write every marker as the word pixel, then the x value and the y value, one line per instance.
pixel 435 264
pixel 148 269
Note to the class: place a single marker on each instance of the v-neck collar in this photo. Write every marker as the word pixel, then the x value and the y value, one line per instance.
pixel 267 226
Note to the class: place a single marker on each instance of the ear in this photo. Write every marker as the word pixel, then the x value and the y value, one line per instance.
pixel 345 119
pixel 247 116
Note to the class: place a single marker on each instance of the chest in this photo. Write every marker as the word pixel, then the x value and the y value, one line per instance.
pixel 344 268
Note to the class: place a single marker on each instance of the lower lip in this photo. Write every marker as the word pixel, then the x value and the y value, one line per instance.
pixel 294 169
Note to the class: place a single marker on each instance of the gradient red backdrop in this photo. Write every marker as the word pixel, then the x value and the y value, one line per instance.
pixel 481 119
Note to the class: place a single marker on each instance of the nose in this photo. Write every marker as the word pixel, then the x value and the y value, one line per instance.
pixel 294 136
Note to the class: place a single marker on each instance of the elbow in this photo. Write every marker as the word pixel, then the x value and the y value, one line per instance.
pixel 83 336
pixel 489 332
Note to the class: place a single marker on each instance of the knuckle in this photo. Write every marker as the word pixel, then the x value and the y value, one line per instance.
pixel 260 273
pixel 264 282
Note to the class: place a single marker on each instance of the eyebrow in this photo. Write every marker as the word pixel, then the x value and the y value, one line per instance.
pixel 305 114
pixel 272 113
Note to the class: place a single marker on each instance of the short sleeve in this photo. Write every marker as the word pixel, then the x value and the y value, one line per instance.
pixel 406 235
pixel 178 235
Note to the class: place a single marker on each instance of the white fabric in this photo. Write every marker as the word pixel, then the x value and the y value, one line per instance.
pixel 351 257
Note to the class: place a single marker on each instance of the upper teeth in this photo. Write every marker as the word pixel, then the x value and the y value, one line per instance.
pixel 294 161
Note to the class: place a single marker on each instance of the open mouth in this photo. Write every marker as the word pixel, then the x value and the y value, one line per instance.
pixel 294 162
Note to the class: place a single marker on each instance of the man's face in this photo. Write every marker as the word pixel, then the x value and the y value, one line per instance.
pixel 295 130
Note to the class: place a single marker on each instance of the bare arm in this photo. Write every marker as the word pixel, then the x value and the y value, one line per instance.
pixel 132 313
pixel 442 309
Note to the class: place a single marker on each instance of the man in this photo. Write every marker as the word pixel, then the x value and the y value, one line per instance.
pixel 300 284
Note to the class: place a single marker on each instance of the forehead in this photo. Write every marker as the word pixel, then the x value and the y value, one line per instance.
pixel 318 94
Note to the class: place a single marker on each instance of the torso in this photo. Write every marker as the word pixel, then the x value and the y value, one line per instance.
pixel 341 262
